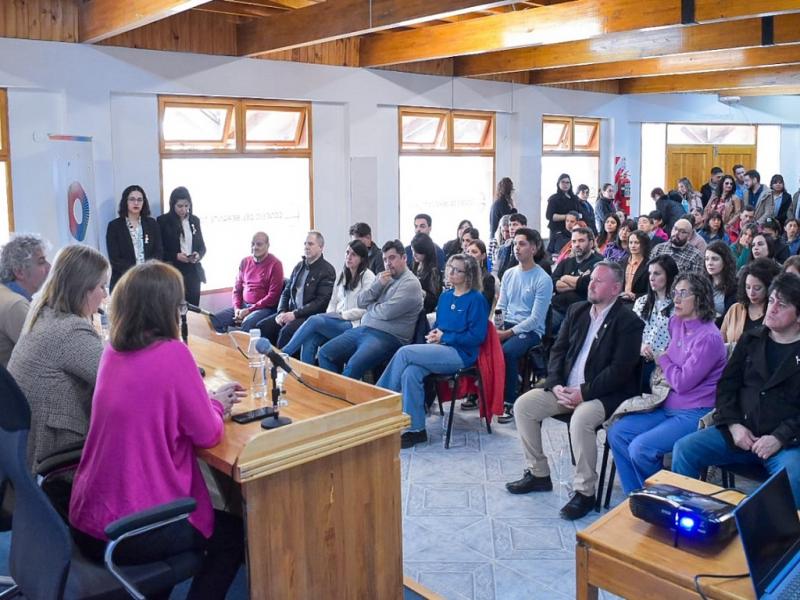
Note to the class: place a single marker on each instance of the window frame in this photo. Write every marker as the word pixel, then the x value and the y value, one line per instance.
pixel 487 147
pixel 5 155
pixel 570 122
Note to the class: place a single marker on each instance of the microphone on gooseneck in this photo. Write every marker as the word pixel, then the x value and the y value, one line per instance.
pixel 264 346
pixel 196 309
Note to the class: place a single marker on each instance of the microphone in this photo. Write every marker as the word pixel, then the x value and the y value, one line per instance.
pixel 264 346
pixel 196 309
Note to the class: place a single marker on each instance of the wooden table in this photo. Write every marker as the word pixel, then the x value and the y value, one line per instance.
pixel 633 559
pixel 320 497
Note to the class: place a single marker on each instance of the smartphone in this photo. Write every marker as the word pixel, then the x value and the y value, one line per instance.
pixel 253 415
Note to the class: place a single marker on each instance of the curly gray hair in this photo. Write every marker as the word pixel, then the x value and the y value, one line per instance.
pixel 17 254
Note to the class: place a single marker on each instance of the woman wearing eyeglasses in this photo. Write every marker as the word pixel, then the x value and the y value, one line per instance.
pixel 692 365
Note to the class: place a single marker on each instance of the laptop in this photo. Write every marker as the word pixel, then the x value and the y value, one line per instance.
pixel 770 532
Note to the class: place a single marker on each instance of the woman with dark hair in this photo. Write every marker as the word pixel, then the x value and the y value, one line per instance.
pixel 184 247
pixel 781 197
pixel 468 236
pixel 616 250
pixel 725 201
pixel 772 227
pixel 741 247
pixel 721 271
pixel 150 414
pixel 503 204
pixel 635 265
pixel 763 246
pixel 604 206
pixel 610 233
pixel 134 236
pixel 343 311
pixel 453 247
pixel 587 212
pixel 426 270
pixel 748 313
pixel 462 317
pixel 692 365
pixel 791 236
pixel 655 309
pixel 560 203
pixel 713 229
pixel 477 250
pixel 792 265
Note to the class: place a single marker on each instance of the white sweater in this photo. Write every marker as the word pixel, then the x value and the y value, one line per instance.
pixel 345 302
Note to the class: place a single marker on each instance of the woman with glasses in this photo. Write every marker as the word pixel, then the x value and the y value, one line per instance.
pixel 692 365
pixel 462 317
pixel 184 247
pixel 748 313
pixel 56 358
pixel 134 236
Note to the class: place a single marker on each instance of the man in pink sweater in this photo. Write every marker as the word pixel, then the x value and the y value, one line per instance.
pixel 257 290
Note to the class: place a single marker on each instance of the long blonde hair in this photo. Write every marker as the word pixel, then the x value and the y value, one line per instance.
pixel 76 270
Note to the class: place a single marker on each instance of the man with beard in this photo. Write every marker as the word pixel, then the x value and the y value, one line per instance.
pixel 571 277
pixel 687 257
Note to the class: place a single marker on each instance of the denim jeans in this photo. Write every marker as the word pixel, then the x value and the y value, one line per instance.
pixel 408 369
pixel 224 318
pixel 696 452
pixel 639 441
pixel 515 348
pixel 317 330
pixel 357 351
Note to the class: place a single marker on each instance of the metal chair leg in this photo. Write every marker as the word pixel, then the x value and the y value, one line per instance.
pixel 453 386
pixel 487 413
pixel 571 451
pixel 602 479
pixel 611 477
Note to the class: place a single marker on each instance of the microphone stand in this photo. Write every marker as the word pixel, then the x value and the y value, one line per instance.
pixel 185 338
pixel 275 420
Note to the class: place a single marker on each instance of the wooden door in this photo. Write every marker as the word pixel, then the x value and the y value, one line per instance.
pixel 692 161
pixel 727 156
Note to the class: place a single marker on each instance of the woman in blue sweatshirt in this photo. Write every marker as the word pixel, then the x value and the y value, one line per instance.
pixel 462 316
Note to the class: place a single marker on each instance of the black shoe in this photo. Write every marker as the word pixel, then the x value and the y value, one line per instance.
pixel 412 438
pixel 530 483
pixel 577 507
pixel 471 403
pixel 507 416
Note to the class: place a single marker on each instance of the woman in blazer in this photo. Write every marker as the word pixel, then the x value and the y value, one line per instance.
pixel 134 236
pixel 635 266
pixel 184 247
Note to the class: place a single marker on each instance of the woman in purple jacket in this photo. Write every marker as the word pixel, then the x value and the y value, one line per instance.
pixel 692 365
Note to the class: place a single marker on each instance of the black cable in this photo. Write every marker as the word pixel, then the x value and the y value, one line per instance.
pixel 723 490
pixel 323 392
pixel 714 576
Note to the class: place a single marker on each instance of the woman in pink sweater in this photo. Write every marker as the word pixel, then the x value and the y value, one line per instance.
pixel 150 411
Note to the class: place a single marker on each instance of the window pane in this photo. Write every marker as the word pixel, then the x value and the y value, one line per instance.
pixel 581 169
pixel 424 132
pixel 278 126
pixel 586 136
pixel 449 188
pixel 235 197
pixel 711 134
pixel 4 224
pixel 768 152
pixel 470 131
pixel 205 128
pixel 555 136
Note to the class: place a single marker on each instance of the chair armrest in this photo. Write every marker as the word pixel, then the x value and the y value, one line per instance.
pixel 66 457
pixel 151 517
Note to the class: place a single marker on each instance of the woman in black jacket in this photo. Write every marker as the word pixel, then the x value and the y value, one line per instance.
pixel 503 204
pixel 427 271
pixel 184 247
pixel 134 236
pixel 560 203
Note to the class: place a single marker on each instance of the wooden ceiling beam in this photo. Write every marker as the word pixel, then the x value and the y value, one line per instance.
pixel 336 19
pixel 718 10
pixel 102 19
pixel 240 10
pixel 710 82
pixel 578 20
pixel 774 90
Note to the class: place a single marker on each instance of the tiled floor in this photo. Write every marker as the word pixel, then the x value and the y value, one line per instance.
pixel 465 537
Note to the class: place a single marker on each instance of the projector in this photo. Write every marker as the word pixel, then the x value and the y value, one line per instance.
pixel 685 513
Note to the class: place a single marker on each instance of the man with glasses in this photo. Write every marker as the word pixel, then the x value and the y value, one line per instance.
pixel 591 371
pixel 688 258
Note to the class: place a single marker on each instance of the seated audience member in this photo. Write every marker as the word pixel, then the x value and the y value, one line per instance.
pixel 453 247
pixel 150 411
pixel 688 258
pixel 452 344
pixel 560 238
pixel 363 233
pixel 588 377
pixel 470 235
pixel 698 218
pixel 635 266
pixel 525 295
pixel 757 408
pixel 393 304
pixel 741 247
pixel 256 291
pixel 709 188
pixel 55 361
pixel 772 228
pixel 763 246
pixel 738 225
pixel 791 236
pixel 655 308
pixel 617 251
pixel 689 197
pixel 658 225
pixel 498 239
pixel 713 229
pixel 505 255
pixel 671 208
pixel 646 225
pixel 720 269
pixel 586 210
pixel 490 285
pixel 343 312
pixel 23 269
pixel 308 292
pixel 610 232
pixel 571 277
pixel 134 236
pixel 422 224
pixel 425 269
pixel 748 313
pixel 695 239
pixel 792 265
pixel 692 365
pixel 182 238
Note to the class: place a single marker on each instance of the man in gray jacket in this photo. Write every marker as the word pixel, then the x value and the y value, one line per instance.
pixel 393 303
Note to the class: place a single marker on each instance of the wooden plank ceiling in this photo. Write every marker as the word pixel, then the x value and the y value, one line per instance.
pixel 730 47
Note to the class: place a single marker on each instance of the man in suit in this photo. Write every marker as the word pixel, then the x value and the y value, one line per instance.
pixel 308 292
pixel 591 371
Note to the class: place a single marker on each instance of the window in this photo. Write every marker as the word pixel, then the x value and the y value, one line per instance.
pixel 6 207
pixel 688 134
pixel 247 165
pixel 446 170
pixel 569 145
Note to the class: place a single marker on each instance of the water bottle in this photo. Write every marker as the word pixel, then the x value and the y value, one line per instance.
pixel 105 327
pixel 499 318
pixel 257 363
pixel 279 382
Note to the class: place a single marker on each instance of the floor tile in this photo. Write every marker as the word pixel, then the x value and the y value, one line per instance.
pixel 433 499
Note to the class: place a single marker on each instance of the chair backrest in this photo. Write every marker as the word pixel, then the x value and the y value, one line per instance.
pixel 421 329
pixel 41 547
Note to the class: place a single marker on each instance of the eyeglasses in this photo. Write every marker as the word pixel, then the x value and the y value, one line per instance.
pixel 682 294
pixel 454 270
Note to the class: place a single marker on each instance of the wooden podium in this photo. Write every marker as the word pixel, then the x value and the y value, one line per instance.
pixel 321 496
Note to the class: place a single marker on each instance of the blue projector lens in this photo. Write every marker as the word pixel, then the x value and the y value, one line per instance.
pixel 686 523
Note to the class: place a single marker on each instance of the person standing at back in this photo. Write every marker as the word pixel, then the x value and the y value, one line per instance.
pixel 560 203
pixel 503 204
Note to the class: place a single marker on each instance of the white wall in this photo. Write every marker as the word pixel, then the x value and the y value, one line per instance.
pixel 110 94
